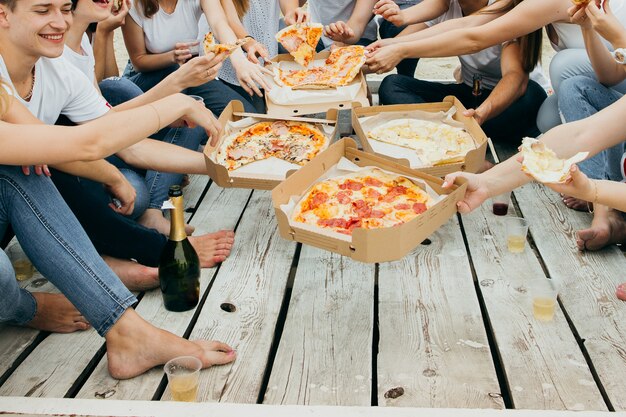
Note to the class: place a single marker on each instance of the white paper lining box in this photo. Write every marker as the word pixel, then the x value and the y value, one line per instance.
pixel 473 159
pixel 283 101
pixel 263 174
pixel 366 245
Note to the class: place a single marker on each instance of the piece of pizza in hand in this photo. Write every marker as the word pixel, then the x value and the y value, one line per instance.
pixel 300 40
pixel 542 163
pixel 218 48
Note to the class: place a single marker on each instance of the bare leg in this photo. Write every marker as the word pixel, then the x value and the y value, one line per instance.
pixel 213 248
pixel 56 314
pixel 134 346
pixel 135 276
pixel 607 227
pixel 154 219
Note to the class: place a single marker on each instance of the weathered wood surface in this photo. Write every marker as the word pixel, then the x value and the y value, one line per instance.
pixel 325 351
pixel 433 343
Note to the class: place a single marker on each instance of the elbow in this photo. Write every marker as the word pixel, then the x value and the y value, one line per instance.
pixel 475 43
pixel 93 148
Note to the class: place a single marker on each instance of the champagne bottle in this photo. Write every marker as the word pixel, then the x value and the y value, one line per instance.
pixel 179 266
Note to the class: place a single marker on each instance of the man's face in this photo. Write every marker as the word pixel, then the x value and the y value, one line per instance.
pixel 37 27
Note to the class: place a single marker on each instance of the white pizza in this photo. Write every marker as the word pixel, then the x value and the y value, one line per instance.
pixel 542 163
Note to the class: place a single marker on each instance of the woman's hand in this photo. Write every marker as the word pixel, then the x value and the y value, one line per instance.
pixel 198 115
pixel 256 49
pixel 380 43
pixel 577 185
pixel 476 193
pixel 385 59
pixel 390 11
pixel 250 76
pixel 578 15
pixel 200 70
pixel 116 19
pixel 182 52
pixel 296 15
pixel 606 24
pixel 338 31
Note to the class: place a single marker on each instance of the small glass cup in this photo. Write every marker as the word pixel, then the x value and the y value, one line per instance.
pixel 182 375
pixel 501 204
pixel 194 47
pixel 544 292
pixel 197 98
pixel 516 230
pixel 23 267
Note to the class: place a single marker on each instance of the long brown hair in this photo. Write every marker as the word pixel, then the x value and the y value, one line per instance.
pixel 241 6
pixel 530 44
pixel 148 7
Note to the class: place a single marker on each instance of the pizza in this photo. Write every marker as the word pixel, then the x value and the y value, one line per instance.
pixel 295 142
pixel 434 143
pixel 580 2
pixel 543 164
pixel 368 199
pixel 218 48
pixel 340 68
pixel 300 40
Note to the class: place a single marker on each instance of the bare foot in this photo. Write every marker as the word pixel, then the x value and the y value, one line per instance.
pixel 577 204
pixel 55 313
pixel 135 276
pixel 605 230
pixel 134 346
pixel 213 248
pixel 154 219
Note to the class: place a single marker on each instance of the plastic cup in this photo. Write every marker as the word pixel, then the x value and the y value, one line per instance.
pixel 544 293
pixel 197 98
pixel 501 204
pixel 516 230
pixel 182 375
pixel 193 45
pixel 21 264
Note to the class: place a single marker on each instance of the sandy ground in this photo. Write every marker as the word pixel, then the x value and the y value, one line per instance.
pixel 428 68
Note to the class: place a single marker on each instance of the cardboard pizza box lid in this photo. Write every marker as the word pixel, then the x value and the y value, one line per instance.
pixel 222 176
pixel 474 158
pixel 374 245
pixel 274 109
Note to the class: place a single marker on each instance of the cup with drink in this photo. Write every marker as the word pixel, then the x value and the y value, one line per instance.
pixel 516 230
pixel 21 264
pixel 194 47
pixel 501 204
pixel 182 375
pixel 544 292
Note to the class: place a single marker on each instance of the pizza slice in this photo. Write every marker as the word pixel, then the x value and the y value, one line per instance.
pixel 300 40
pixel 543 164
pixel 218 48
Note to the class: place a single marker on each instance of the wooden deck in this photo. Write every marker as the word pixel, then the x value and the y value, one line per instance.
pixel 448 326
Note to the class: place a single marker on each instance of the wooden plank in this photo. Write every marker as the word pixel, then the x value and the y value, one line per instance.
pixel 544 366
pixel 433 343
pixel 325 351
pixel 193 192
pixel 220 208
pixel 589 281
pixel 254 281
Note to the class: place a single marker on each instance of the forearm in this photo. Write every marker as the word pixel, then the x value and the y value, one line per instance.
pixel 161 156
pixel 287 6
pixel 100 171
pixel 171 84
pixel 361 15
pixel 511 87
pixel 152 62
pixel 608 193
pixel 606 69
pixel 424 11
pixel 419 32
pixel 233 19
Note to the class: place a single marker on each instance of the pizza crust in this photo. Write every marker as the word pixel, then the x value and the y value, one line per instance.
pixel 217 48
pixel 542 163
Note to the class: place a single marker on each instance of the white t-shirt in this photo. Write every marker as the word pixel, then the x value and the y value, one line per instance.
pixel 162 31
pixel 60 88
pixel 262 22
pixel 330 11
pixel 85 62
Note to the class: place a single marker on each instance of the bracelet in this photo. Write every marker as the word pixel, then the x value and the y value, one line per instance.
pixel 158 117
pixel 595 197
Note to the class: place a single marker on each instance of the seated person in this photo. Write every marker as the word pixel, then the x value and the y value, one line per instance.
pixel 496 88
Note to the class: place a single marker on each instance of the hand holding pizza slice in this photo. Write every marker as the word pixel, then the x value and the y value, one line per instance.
pixel 217 48
pixel 300 41
pixel 542 163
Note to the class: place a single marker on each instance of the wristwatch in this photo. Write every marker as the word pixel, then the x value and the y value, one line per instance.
pixel 619 55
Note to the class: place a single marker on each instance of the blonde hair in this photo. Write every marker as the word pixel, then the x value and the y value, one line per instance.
pixel 242 7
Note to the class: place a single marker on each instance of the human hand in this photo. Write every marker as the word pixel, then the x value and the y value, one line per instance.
pixel 198 115
pixel 476 194
pixel 182 51
pixel 338 31
pixel 379 44
pixel 122 191
pixel 39 170
pixel 578 15
pixel 251 76
pixel 296 15
pixel 384 59
pixel 606 24
pixel 116 19
pixel 390 11
pixel 477 114
pixel 255 50
pixel 577 185
pixel 200 70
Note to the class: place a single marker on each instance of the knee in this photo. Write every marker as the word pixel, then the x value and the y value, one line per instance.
pixel 568 63
pixel 390 87
pixel 548 115
pixel 573 89
pixel 119 90
pixel 142 197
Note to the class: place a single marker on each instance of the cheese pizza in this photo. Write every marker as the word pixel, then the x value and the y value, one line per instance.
pixel 218 48
pixel 300 41
pixel 340 68
pixel 435 143
pixel 294 142
pixel 543 164
pixel 368 199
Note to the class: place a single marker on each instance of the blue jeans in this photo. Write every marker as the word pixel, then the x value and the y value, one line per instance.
pixel 581 97
pixel 59 248
pixel 517 121
pixel 388 30
pixel 215 93
pixel 118 90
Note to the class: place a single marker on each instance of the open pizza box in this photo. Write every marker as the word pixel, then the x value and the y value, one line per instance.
pixel 260 175
pixel 283 101
pixel 365 245
pixel 364 116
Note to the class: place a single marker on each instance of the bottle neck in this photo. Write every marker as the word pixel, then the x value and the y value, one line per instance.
pixel 177 229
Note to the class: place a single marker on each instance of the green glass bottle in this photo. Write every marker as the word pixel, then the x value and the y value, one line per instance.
pixel 179 267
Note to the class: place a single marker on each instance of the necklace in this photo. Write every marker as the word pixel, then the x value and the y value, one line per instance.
pixel 30 93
